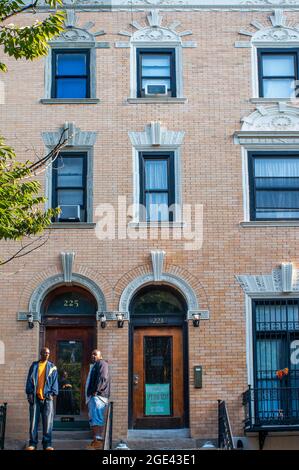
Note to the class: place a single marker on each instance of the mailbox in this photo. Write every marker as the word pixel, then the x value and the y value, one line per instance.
pixel 197 376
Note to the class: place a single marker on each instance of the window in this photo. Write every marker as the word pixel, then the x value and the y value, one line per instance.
pixel 155 72
pixel 157 185
pixel 274 186
pixel 278 69
pixel 69 187
pixel 276 327
pixel 70 73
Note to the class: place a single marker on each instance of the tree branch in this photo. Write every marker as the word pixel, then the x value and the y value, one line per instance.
pixel 16 12
pixel 24 250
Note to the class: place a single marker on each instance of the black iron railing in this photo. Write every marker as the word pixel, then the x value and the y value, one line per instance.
pixel 225 438
pixel 3 409
pixel 271 406
pixel 108 427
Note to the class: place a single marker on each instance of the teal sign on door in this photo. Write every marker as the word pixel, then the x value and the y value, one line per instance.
pixel 157 400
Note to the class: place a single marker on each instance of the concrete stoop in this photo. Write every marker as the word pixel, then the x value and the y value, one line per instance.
pixel 162 444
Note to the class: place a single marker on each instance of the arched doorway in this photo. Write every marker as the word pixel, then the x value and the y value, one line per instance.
pixel 158 359
pixel 69 330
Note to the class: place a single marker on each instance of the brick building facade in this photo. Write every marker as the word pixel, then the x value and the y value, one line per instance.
pixel 233 264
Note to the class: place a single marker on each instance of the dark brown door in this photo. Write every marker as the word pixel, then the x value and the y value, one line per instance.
pixel 71 351
pixel 158 384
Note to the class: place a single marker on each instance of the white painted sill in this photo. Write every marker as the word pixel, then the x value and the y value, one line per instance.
pixel 162 100
pixel 70 100
pixel 270 223
pixel 73 225
pixel 270 100
pixel 156 224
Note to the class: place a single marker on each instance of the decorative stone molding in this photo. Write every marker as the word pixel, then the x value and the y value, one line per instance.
pixel 176 5
pixel 67 261
pixel 77 35
pixel 76 137
pixel 51 283
pixel 267 140
pixel 23 316
pixel 280 31
pixel 166 278
pixel 157 262
pixel 156 136
pixel 204 314
pixel 282 280
pixel 287 273
pixel 154 33
pixel 112 316
pixel 278 117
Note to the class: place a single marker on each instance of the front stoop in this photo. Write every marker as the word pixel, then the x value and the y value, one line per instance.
pixel 162 444
pixel 71 440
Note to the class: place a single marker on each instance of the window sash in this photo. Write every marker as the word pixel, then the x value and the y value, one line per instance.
pixel 56 188
pixel 141 77
pixel 275 52
pixel 285 205
pixel 145 193
pixel 56 77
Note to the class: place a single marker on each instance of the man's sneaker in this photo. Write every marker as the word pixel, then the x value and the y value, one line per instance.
pixel 95 445
pixel 30 448
pixel 49 448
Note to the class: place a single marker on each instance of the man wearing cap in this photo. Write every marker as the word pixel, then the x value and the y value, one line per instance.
pixel 41 387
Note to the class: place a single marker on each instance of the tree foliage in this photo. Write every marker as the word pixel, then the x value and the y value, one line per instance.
pixel 21 211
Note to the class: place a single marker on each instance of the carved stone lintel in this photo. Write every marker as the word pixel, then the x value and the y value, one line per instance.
pixel 282 280
pixel 76 137
pixel 155 135
pixel 157 262
pixel 277 117
pixel 67 261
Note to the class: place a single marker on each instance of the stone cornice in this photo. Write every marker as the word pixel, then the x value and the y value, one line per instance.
pixel 179 5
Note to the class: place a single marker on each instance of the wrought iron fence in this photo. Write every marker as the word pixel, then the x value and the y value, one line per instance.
pixel 225 438
pixel 3 409
pixel 266 406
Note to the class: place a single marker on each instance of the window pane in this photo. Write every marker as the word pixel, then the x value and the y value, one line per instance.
pixel 70 171
pixel 157 81
pixel 69 197
pixel 277 183
pixel 157 206
pixel 155 65
pixel 71 88
pixel 261 214
pixel 279 65
pixel 278 199
pixel 278 88
pixel 276 167
pixel 156 174
pixel 71 64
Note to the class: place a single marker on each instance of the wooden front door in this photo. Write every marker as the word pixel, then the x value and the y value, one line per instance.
pixel 158 384
pixel 70 350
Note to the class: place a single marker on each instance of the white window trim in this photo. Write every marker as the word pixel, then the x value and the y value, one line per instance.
pixel 254 66
pixel 159 45
pixel 48 71
pixel 177 184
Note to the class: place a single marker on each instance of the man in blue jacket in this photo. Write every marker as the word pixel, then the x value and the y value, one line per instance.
pixel 41 387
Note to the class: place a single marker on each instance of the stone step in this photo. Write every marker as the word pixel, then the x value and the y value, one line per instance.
pixel 162 444
pixel 71 435
pixel 71 444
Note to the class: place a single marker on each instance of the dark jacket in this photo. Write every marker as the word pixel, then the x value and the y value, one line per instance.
pixel 99 381
pixel 51 383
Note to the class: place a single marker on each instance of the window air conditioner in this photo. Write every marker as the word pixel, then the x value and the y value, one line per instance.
pixel 158 89
pixel 69 213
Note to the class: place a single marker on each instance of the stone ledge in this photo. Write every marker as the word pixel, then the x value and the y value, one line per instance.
pixel 269 223
pixel 70 100
pixel 156 100
pixel 157 224
pixel 73 225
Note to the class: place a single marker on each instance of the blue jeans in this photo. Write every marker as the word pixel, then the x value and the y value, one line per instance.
pixel 96 411
pixel 45 409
